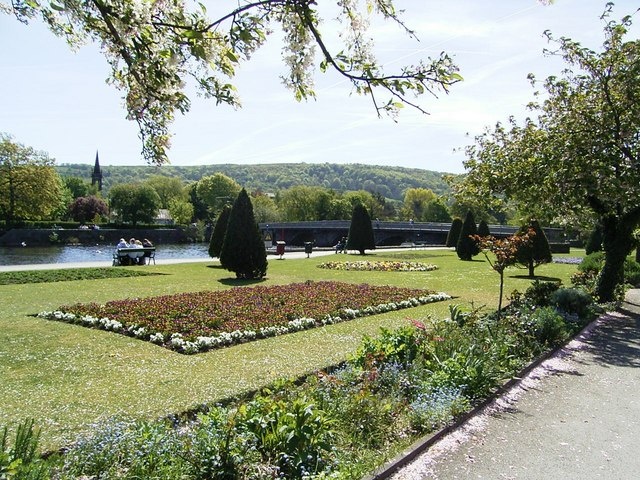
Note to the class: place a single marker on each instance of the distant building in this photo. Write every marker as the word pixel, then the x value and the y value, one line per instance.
pixel 96 176
pixel 164 217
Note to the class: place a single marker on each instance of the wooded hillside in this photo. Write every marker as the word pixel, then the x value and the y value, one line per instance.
pixel 388 181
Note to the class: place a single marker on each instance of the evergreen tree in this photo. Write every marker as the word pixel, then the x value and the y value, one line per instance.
pixel 535 252
pixel 219 231
pixel 243 250
pixel 483 229
pixel 454 233
pixel 467 247
pixel 361 231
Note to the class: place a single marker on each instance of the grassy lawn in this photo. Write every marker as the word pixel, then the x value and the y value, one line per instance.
pixel 67 377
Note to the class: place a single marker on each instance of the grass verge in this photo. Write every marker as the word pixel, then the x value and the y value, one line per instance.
pixel 67 377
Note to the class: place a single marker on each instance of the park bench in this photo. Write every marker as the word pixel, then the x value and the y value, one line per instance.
pixel 134 256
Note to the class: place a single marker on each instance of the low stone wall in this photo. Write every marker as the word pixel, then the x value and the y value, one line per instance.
pixel 44 237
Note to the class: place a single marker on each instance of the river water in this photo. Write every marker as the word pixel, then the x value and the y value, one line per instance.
pixel 83 253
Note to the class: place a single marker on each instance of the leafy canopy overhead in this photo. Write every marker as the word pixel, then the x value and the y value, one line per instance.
pixel 578 161
pixel 155 47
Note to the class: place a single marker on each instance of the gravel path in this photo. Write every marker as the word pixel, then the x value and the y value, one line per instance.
pixel 576 416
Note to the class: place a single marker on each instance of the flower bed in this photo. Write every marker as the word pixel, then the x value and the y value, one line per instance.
pixel 387 266
pixel 200 321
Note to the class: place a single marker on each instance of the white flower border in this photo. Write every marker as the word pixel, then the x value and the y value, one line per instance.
pixel 176 341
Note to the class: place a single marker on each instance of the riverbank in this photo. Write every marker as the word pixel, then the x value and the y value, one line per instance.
pixel 42 237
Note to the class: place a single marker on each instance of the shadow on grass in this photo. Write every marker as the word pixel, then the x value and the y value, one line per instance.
pixel 217 267
pixel 540 278
pixel 240 282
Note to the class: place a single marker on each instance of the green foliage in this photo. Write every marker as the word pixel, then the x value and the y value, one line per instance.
pixel 572 301
pixel 594 242
pixel 361 235
pixel 390 181
pixel 134 203
pixel 537 250
pixel 400 346
pixel 454 233
pixel 68 274
pixel 243 250
pixel 78 187
pixel 549 327
pixel 219 231
pixel 632 272
pixel 30 187
pixel 573 175
pixel 169 189
pixel 217 190
pixel 539 293
pixel 181 211
pixel 467 247
pixel 20 459
pixel 589 271
pixel 436 211
pixel 294 436
pixel 220 448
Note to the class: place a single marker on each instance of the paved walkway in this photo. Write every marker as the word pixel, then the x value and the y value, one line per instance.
pixel 576 416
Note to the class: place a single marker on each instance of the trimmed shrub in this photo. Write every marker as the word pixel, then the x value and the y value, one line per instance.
pixel 483 229
pixel 467 247
pixel 572 301
pixel 454 233
pixel 243 250
pixel 539 293
pixel 219 231
pixel 361 236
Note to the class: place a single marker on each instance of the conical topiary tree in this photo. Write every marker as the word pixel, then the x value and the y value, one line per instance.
pixel 361 235
pixel 467 247
pixel 483 229
pixel 219 231
pixel 537 250
pixel 243 249
pixel 454 233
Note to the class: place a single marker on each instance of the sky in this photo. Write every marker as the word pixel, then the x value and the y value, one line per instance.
pixel 57 100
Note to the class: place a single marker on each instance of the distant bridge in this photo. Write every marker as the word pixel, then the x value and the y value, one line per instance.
pixel 327 233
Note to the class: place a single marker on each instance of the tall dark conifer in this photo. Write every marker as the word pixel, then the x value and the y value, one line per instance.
pixel 467 247
pixel 454 232
pixel 243 250
pixel 219 231
pixel 483 229
pixel 361 235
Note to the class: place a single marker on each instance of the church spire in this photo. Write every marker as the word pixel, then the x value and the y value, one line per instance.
pixel 96 176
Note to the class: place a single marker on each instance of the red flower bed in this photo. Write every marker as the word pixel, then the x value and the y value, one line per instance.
pixel 242 308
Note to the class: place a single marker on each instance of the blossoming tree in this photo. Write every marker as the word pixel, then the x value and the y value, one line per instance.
pixel 153 47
